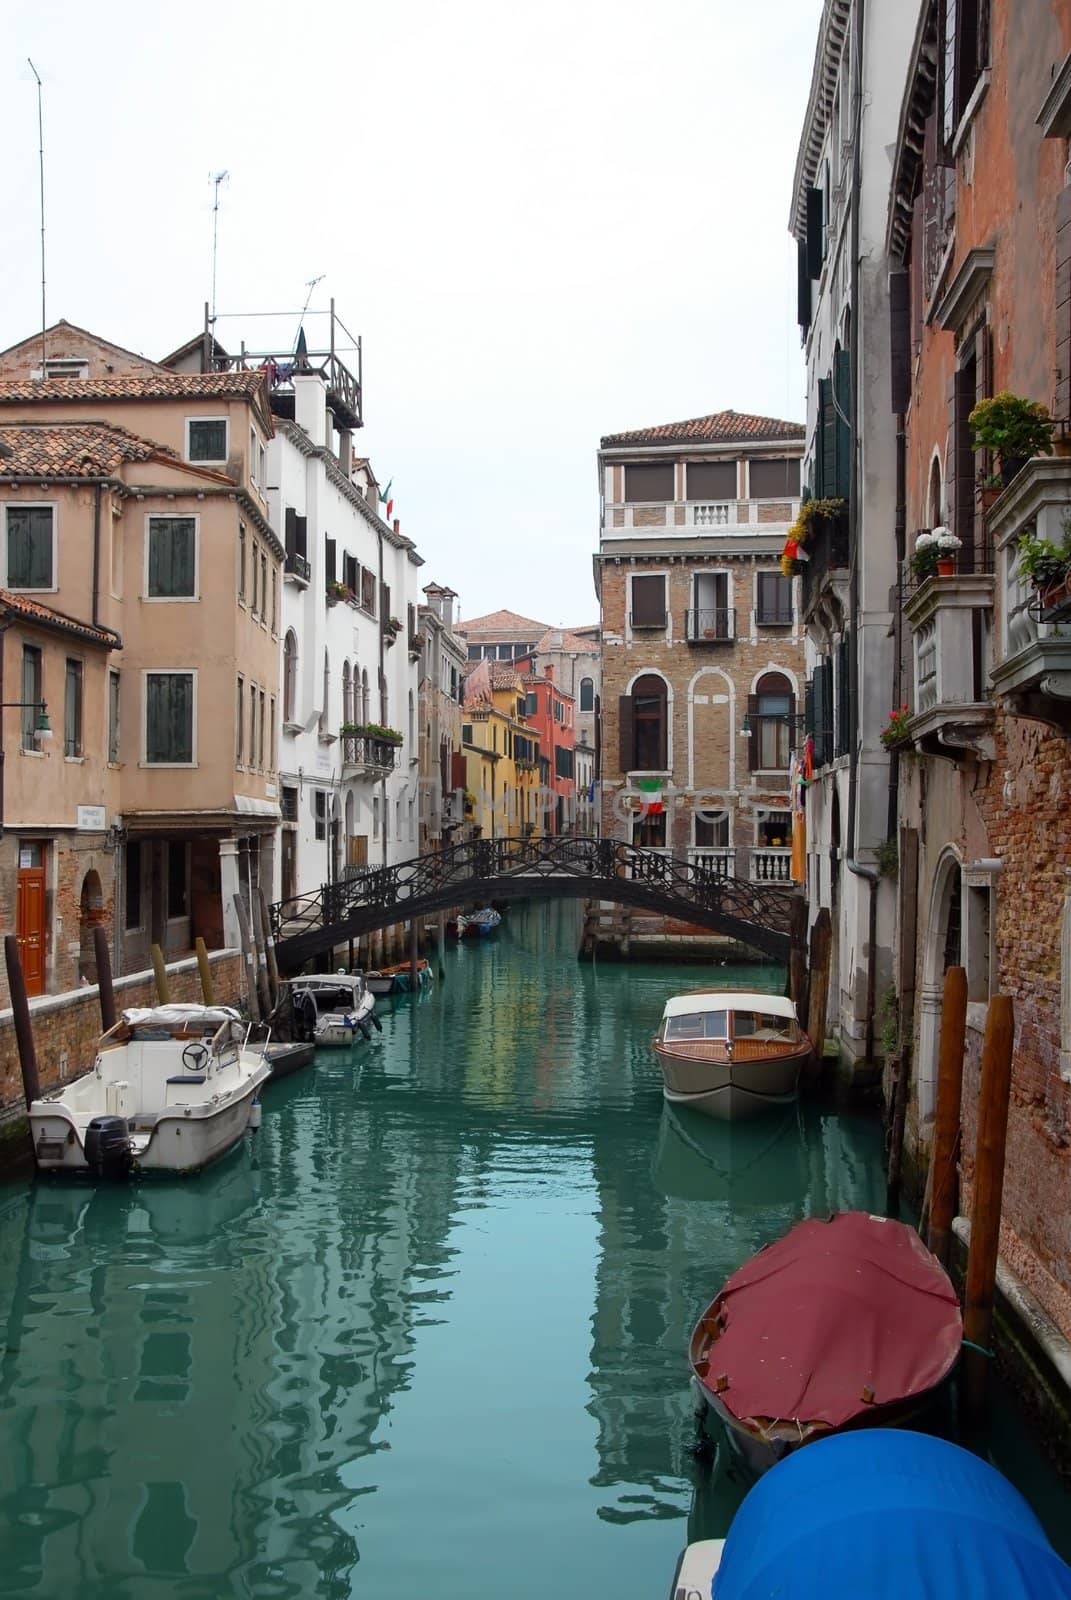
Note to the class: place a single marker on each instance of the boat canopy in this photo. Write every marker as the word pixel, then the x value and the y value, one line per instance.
pixel 837 1315
pixel 180 1016
pixel 353 982
pixel 774 1005
pixel 885 1512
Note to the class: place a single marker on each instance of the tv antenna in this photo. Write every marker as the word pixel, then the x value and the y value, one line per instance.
pixel 310 284
pixel 215 178
pixel 41 169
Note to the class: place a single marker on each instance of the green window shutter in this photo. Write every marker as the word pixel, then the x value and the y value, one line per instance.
pixel 825 460
pixel 842 385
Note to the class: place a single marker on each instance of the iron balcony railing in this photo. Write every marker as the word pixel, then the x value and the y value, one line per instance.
pixel 361 751
pixel 717 626
pixel 297 566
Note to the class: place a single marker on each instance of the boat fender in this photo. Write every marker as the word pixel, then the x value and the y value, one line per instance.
pixel 255 1116
pixel 362 1023
pixel 107 1147
pixel 376 1022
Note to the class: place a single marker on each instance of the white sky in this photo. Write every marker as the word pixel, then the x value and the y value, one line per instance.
pixel 547 221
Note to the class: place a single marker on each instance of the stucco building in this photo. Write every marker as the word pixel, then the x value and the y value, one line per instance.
pixel 504 796
pixel 443 660
pixel 702 640
pixel 135 502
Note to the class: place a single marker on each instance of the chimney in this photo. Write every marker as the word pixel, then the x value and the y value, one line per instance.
pixel 446 609
pixel 397 524
pixel 548 672
pixel 310 412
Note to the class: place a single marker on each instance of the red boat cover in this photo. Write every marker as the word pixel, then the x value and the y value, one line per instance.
pixel 830 1312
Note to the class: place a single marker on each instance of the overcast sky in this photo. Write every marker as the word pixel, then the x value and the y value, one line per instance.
pixel 547 222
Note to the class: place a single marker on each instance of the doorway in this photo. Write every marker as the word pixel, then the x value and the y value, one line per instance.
pixel 30 915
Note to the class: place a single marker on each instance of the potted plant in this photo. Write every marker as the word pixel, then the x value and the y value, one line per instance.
pixel 895 731
pixel 1048 565
pixel 335 592
pixel 1014 429
pixel 934 554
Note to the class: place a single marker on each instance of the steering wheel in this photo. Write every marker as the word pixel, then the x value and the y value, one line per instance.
pixel 195 1056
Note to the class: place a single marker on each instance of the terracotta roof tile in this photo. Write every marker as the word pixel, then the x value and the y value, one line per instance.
pixel 72 449
pixel 564 639
pixel 501 622
pixel 137 386
pixel 721 427
pixel 21 605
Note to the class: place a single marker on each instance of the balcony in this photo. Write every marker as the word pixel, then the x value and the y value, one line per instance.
pixel 771 864
pixel 365 757
pixel 701 517
pixel 827 560
pixel 296 570
pixel 951 624
pixel 1032 667
pixel 712 861
pixel 710 627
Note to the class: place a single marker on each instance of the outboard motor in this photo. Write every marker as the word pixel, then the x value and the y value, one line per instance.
pixel 107 1147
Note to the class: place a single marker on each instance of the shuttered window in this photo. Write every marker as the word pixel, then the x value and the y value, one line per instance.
pixel 803 287
pixel 648 607
pixel 169 718
pixel 771 710
pixel 844 704
pixel 649 481
pixel 72 709
pixel 816 233
pixel 778 479
pixel 330 562
pixel 774 600
pixel 30 542
pixel 900 340
pixel 710 480
pixel 172 573
pixel 642 726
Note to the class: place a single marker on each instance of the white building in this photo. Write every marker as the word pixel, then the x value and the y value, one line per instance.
pixel 349 749
pixel 839 217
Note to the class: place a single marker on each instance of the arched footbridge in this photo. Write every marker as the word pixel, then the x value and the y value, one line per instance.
pixel 757 914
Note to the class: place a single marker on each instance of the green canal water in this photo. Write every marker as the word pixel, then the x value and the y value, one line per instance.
pixel 424 1334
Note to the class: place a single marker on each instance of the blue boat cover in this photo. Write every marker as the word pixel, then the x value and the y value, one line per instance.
pixel 887 1513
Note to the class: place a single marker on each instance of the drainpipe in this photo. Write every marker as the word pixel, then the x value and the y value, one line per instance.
pixel 868 873
pixel 98 492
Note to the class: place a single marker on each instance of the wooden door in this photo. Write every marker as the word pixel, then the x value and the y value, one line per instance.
pixel 30 926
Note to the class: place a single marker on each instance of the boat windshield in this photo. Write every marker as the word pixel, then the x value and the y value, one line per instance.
pixel 698 1025
pixel 763 1025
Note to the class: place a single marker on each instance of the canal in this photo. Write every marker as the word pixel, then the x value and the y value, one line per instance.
pixel 425 1333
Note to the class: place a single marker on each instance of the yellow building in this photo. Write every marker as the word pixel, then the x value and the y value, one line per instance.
pixel 504 798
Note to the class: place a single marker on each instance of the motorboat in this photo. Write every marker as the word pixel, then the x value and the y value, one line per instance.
pixel 172 1088
pixel 397 979
pixel 881 1514
pixel 478 924
pixel 844 1322
pixel 333 1009
pixel 730 1053
pixel 287 1056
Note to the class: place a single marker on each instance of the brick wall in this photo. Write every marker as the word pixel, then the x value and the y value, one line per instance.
pixel 67 1026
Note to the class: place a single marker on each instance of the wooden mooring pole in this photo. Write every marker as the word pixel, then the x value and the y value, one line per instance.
pixel 159 967
pixel 249 959
pixel 943 1186
pixel 797 957
pixel 268 940
pixel 993 1099
pixel 20 1008
pixel 105 988
pixel 414 955
pixel 208 987
pixel 818 996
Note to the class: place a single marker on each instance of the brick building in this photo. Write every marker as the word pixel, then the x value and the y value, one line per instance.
pixel 702 644
pixel 979 230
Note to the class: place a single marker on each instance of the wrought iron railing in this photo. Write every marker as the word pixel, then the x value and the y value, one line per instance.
pixel 297 566
pixel 717 626
pixel 359 750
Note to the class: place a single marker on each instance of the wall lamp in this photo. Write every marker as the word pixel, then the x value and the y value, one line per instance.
pixel 42 730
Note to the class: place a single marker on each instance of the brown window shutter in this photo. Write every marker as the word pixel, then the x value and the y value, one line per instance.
pixel 816 239
pixel 753 724
pixel 803 286
pixel 900 340
pixel 626 733
pixel 457 770
pixel 290 531
pixel 330 570
pixel 649 600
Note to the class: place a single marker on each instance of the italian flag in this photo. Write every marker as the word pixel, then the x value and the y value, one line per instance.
pixel 651 794
pixel 387 499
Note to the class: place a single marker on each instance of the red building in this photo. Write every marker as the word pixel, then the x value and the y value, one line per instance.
pixel 551 713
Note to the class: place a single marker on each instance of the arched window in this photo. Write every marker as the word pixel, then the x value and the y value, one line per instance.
pixel 770 712
pixel 366 703
pixel 384 700
pixel 644 745
pixel 587 694
pixel 347 693
pixel 290 664
pixel 412 724
pixel 937 495
pixel 325 711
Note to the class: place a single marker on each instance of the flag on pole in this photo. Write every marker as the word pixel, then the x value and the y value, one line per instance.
pixel 387 499
pixel 651 794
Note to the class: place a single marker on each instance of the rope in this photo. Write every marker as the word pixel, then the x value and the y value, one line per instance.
pixel 969 1344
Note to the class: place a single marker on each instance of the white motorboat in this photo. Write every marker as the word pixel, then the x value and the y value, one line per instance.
pixel 478 924
pixel 696 1567
pixel 730 1053
pixel 334 1009
pixel 172 1088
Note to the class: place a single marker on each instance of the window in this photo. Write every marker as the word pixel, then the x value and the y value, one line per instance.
pixel 774 600
pixel 559 711
pixel 290 664
pixel 319 812
pixel 712 829
pixel 531 704
pixel 289 804
pixel 172 559
pixel 252 724
pixel 132 885
pixel 263 586
pixel 254 599
pixel 711 616
pixel 252 455
pixel 347 693
pixel 587 694
pixel 563 762
pixel 72 709
pixel 241 562
pixel 206 439
pixel 775 829
pixel 384 701
pixel 770 711
pixel 261 700
pixel 710 480
pixel 650 830
pixel 273 739
pixel 31 694
pixel 274 600
pixel 775 480
pixel 177 879
pixel 412 721
pixel 113 717
pixel 324 707
pixel 643 726
pixel 978 942
pixel 31 547
pixel 965 56
pixel 169 712
pixel 239 722
pixel 375 816
pixel 475 652
pixel 648 608
pixel 649 481
pixel 368 591
pixel 466 733
pixel 67 367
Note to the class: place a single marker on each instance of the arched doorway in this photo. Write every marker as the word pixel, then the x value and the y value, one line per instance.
pixel 941 950
pixel 91 914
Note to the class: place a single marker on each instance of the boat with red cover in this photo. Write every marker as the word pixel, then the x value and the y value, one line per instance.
pixel 848 1322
